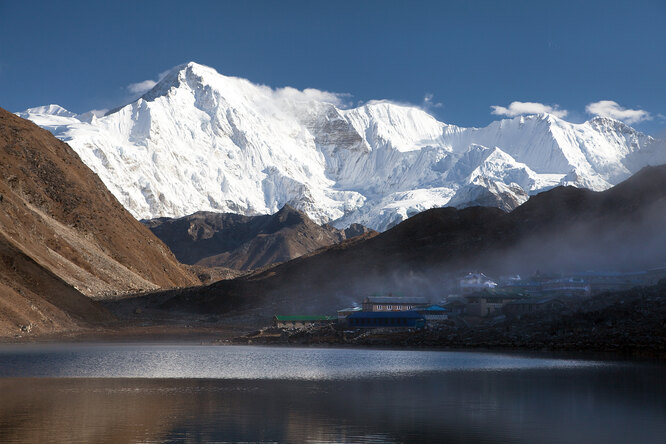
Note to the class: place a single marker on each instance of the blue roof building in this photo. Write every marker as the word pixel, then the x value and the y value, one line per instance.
pixel 386 319
pixel 434 313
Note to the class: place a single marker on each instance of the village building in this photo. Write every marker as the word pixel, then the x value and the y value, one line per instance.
pixel 490 302
pixel 526 306
pixel 386 319
pixel 518 285
pixel 456 307
pixel 474 282
pixel 393 303
pixel 302 321
pixel 434 313
pixel 345 312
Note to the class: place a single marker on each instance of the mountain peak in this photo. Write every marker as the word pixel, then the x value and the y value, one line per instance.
pixel 191 73
pixel 52 110
pixel 200 140
pixel 387 107
pixel 288 216
pixel 608 123
pixel 539 117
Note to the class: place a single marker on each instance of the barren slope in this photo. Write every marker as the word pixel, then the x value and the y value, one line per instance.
pixel 61 231
pixel 35 301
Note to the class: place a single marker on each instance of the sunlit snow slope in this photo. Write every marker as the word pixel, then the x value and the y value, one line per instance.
pixel 203 141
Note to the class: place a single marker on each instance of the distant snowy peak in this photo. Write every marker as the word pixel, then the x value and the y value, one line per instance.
pixel 51 110
pixel 200 140
pixel 383 124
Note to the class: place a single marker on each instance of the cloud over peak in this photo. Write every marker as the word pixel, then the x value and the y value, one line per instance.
pixel 519 108
pixel 141 87
pixel 429 102
pixel 612 109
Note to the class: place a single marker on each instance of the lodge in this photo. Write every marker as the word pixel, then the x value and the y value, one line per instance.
pixel 434 313
pixel 490 302
pixel 386 319
pixel 392 303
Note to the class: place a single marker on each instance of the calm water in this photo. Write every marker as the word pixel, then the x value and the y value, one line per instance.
pixel 170 393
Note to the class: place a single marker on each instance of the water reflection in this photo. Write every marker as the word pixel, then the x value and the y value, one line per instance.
pixel 548 403
pixel 186 361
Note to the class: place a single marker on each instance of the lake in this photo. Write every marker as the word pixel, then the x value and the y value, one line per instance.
pixel 198 393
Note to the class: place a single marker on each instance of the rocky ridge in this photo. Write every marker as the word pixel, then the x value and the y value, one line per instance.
pixel 246 242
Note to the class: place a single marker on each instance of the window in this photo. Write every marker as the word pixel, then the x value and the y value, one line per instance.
pixel 389 307
pixel 379 308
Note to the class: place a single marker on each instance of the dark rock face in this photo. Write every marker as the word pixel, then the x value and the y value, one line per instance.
pixel 356 230
pixel 246 242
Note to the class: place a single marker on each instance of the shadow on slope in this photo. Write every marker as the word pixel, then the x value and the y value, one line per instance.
pixel 562 229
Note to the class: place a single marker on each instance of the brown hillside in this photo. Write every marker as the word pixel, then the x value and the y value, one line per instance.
pixel 35 301
pixel 58 216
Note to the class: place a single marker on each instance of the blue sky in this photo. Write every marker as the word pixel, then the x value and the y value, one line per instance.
pixel 457 59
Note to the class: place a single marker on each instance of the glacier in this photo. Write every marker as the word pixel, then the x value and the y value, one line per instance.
pixel 202 141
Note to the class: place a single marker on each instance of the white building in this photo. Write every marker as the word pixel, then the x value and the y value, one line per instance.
pixel 474 282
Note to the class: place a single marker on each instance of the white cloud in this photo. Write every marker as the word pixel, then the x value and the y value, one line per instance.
pixel 141 87
pixel 429 102
pixel 98 112
pixel 609 108
pixel 163 74
pixel 310 94
pixel 519 108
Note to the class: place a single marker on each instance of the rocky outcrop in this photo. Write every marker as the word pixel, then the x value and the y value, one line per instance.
pixel 246 242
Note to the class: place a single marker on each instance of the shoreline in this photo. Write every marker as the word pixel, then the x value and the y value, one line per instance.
pixel 131 334
pixel 230 337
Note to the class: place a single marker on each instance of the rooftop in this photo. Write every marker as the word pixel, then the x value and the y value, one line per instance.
pixel 409 314
pixel 433 308
pixel 534 301
pixel 497 293
pixel 395 300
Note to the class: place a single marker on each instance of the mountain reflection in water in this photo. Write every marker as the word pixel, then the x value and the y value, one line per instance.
pixel 620 402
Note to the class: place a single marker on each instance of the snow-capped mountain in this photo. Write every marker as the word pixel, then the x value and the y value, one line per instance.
pixel 203 141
